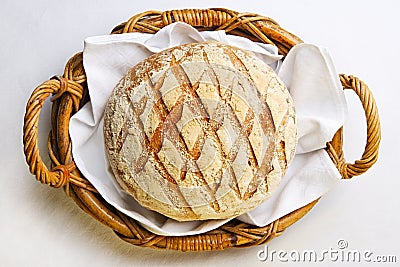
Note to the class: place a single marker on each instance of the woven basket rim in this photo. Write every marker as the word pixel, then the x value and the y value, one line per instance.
pixel 70 94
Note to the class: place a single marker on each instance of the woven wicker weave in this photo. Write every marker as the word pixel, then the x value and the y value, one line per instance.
pixel 70 93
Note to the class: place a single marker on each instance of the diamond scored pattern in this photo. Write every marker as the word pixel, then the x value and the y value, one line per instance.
pixel 212 120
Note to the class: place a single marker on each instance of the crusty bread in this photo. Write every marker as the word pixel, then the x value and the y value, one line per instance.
pixel 200 131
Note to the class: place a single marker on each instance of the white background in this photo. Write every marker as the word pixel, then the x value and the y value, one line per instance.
pixel 41 226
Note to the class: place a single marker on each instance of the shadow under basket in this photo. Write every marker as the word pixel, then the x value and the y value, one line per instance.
pixel 69 93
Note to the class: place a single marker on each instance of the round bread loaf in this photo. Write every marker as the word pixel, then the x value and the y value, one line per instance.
pixel 200 131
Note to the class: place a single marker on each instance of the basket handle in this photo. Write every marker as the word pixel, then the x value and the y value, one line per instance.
pixel 59 175
pixel 370 155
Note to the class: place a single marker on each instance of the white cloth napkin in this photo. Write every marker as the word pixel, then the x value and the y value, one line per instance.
pixel 307 71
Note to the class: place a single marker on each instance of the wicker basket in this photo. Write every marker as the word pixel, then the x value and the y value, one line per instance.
pixel 70 93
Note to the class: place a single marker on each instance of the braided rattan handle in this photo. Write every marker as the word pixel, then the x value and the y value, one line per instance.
pixel 370 155
pixel 58 176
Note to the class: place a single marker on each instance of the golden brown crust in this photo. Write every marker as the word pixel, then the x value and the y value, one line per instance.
pixel 200 131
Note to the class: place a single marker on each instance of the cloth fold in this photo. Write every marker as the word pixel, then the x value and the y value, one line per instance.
pixel 307 71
